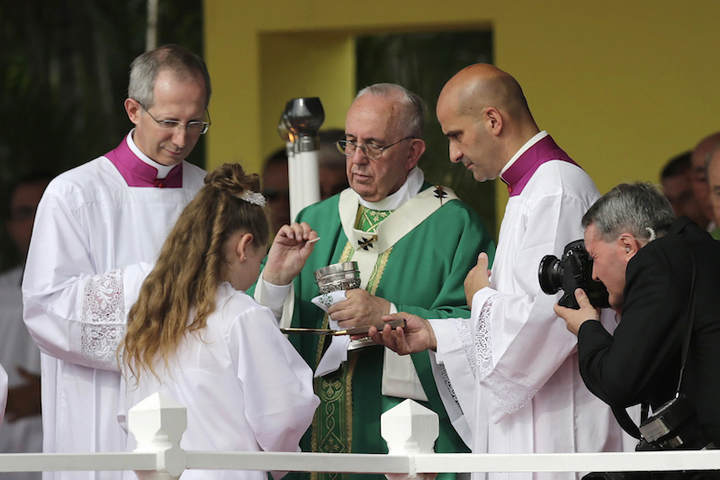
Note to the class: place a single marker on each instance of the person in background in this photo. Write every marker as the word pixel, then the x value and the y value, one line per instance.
pixel 276 188
pixel 512 366
pixel 22 432
pixel 677 183
pixel 98 228
pixel 413 242
pixel 195 336
pixel 698 176
pixel 331 163
pixel 712 170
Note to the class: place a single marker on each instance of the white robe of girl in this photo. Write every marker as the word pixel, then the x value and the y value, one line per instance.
pixel 244 385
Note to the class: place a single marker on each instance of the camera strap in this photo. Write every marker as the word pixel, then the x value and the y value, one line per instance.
pixel 688 322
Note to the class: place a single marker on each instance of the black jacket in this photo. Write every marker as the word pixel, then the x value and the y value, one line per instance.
pixel 641 361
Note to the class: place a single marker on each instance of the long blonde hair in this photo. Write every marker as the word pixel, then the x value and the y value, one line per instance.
pixel 187 272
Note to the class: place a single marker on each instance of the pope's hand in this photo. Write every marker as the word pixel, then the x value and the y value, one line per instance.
pixel 359 309
pixel 290 250
pixel 574 318
pixel 416 337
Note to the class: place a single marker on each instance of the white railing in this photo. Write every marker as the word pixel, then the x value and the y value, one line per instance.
pixel 409 429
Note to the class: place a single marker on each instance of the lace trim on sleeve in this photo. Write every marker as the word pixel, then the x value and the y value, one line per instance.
pixel 448 385
pixel 483 340
pixel 103 319
pixel 466 337
pixel 511 395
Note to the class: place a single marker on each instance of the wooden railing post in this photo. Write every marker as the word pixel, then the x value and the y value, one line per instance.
pixel 158 424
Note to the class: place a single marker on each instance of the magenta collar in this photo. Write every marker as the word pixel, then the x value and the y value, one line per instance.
pixel 138 173
pixel 520 172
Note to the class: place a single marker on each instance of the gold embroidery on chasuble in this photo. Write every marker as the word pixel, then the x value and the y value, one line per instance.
pixel 333 423
pixel 368 220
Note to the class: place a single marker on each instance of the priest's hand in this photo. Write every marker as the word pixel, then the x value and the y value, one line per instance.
pixel 359 309
pixel 574 318
pixel 477 278
pixel 416 337
pixel 290 249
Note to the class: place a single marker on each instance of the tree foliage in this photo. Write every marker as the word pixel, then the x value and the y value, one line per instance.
pixel 64 67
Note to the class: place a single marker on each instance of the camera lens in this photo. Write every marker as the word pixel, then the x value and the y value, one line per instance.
pixel 550 274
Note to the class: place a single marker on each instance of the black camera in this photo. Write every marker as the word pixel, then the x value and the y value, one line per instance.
pixel 673 426
pixel 573 271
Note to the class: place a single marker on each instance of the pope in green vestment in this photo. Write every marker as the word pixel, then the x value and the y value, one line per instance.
pixel 422 273
pixel 414 244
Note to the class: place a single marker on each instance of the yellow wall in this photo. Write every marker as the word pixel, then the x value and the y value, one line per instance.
pixel 319 52
pixel 622 86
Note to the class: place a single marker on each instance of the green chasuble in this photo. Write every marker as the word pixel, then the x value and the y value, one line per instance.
pixel 423 274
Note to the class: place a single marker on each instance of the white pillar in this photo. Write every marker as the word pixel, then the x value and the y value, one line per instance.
pixel 158 424
pixel 304 181
pixel 300 123
pixel 409 428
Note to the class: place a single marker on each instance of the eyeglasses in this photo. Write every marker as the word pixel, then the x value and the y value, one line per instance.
pixel 371 151
pixel 194 127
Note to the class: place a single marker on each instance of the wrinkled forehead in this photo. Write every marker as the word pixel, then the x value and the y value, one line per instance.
pixel 373 117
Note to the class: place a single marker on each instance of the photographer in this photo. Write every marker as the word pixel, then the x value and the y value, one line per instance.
pixel 659 273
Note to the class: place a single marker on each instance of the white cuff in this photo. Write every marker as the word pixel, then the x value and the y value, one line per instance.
pixel 479 299
pixel 447 338
pixel 275 294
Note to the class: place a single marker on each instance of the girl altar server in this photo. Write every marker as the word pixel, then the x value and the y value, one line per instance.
pixel 197 338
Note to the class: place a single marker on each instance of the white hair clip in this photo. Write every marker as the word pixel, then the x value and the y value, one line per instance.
pixel 652 234
pixel 253 197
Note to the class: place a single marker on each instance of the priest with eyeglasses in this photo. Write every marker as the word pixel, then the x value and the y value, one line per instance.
pixel 98 227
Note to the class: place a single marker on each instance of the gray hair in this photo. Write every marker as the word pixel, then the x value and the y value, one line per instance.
pixel 145 69
pixel 412 119
pixel 637 208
